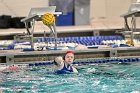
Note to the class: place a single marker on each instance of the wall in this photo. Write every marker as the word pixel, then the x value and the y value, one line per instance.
pixel 98 8
pixel 20 7
pixel 109 8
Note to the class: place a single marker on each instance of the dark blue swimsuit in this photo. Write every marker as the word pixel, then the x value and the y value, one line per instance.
pixel 65 70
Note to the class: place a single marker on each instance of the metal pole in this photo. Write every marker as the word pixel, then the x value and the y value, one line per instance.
pixel 55 36
pixel 133 29
pixel 32 34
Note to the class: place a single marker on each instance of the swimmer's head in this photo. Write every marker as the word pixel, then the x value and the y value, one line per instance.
pixel 69 57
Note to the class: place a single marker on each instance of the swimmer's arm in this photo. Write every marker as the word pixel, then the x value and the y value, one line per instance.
pixel 74 70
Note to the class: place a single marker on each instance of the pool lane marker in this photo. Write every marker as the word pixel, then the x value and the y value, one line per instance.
pixel 97 61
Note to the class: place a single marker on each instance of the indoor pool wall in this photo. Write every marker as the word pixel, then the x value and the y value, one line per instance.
pixel 13 57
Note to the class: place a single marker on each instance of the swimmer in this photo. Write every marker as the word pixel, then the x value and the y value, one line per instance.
pixel 5 68
pixel 64 65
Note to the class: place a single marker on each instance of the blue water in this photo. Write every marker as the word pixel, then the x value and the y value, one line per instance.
pixel 98 78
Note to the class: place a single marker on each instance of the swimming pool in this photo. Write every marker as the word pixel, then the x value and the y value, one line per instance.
pixel 93 78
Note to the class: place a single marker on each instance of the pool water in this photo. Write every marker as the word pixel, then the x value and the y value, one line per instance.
pixel 97 78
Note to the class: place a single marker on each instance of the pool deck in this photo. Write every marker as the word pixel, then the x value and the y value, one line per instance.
pixel 62 31
pixel 98 24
